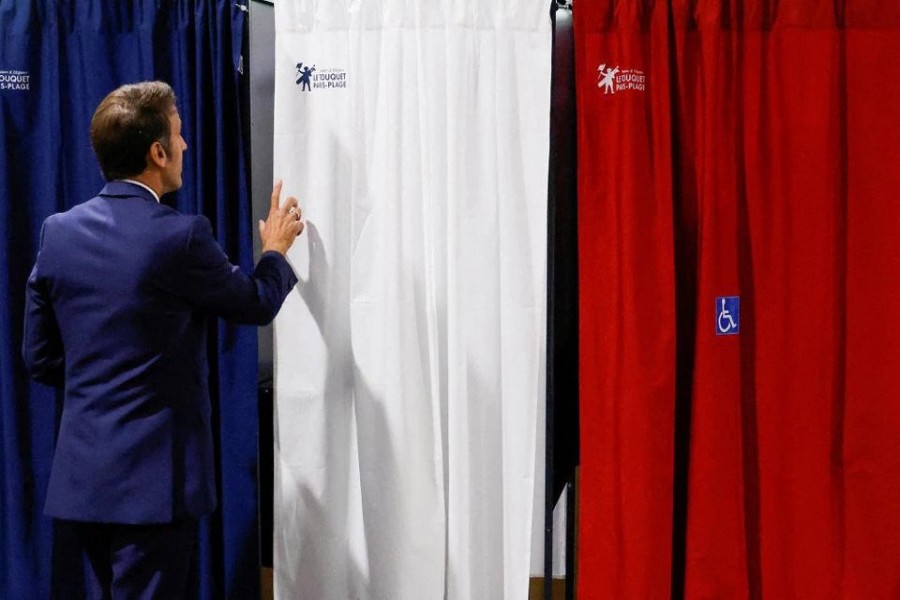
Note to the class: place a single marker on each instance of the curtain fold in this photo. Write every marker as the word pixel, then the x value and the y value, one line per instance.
pixel 72 54
pixel 786 480
pixel 410 364
pixel 626 294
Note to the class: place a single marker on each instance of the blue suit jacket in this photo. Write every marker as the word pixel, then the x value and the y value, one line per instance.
pixel 116 313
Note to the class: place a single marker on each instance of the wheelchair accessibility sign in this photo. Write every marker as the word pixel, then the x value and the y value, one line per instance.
pixel 728 315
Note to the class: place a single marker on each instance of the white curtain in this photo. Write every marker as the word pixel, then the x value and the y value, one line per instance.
pixel 409 363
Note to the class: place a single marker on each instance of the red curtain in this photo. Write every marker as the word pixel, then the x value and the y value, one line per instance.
pixel 745 151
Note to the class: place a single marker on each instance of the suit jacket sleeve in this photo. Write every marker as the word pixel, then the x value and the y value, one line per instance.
pixel 214 285
pixel 42 348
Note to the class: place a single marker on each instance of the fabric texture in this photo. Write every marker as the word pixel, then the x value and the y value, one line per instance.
pixel 627 306
pixel 740 431
pixel 409 371
pixel 73 54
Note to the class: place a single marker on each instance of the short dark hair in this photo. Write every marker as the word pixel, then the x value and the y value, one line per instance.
pixel 127 123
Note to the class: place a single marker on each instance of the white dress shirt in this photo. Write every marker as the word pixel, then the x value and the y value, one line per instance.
pixel 146 187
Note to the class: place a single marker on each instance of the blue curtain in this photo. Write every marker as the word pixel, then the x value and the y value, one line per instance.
pixel 58 59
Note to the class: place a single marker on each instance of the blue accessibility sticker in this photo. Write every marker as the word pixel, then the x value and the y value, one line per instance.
pixel 728 315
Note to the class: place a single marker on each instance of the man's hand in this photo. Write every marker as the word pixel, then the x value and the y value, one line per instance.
pixel 283 224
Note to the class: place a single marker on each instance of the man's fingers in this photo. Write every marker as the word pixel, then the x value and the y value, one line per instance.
pixel 276 194
pixel 289 204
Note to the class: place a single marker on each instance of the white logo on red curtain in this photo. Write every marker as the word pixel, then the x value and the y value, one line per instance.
pixel 614 80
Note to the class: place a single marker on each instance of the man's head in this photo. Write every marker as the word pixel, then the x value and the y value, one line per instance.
pixel 136 131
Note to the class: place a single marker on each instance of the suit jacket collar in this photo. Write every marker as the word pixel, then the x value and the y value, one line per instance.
pixel 124 189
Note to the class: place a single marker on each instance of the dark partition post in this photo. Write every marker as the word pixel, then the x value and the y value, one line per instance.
pixel 562 291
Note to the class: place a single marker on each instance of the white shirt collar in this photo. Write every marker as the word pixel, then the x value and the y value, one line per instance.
pixel 146 187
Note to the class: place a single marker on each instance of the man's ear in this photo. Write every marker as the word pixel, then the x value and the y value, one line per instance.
pixel 157 155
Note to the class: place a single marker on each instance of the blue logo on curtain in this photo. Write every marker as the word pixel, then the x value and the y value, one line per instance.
pixel 728 315
pixel 310 78
pixel 303 76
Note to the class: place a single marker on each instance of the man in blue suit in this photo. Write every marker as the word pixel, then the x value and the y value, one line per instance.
pixel 116 314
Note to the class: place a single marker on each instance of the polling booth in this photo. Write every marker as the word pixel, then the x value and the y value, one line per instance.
pixel 653 240
pixel 57 61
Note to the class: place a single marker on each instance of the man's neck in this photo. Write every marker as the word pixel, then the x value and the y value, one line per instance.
pixel 142 183
pixel 151 180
